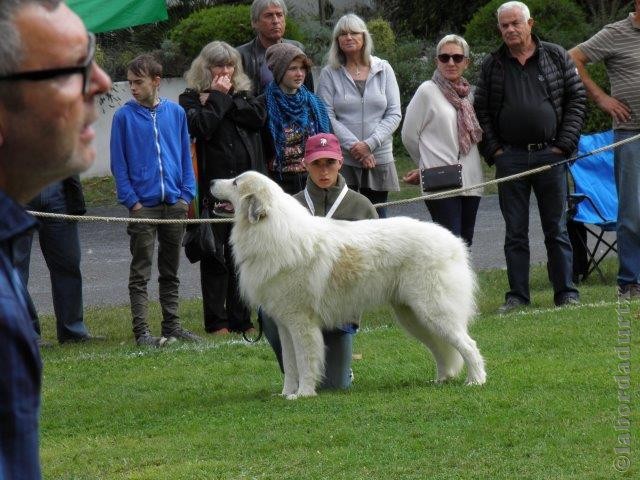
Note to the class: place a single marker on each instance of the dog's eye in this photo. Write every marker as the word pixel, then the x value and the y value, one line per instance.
pixel 235 182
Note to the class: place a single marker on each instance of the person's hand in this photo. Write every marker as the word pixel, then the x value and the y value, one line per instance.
pixel 221 83
pixel 360 150
pixel 412 177
pixel 557 151
pixel 204 96
pixel 618 110
pixel 137 206
pixel 368 161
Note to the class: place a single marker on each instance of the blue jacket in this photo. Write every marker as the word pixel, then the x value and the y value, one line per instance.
pixel 20 365
pixel 150 154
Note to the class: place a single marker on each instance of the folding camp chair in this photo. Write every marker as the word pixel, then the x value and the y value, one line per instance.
pixel 594 203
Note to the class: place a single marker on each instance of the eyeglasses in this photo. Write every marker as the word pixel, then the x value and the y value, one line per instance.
pixel 445 57
pixel 40 75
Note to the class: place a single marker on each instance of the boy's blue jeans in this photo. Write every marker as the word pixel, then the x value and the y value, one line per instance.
pixel 338 353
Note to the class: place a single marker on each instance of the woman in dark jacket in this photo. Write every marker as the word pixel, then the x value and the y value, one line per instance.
pixel 225 120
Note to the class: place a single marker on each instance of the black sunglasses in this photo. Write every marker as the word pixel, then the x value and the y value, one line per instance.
pixel 445 57
pixel 39 75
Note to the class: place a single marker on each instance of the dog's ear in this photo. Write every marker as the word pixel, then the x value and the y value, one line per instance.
pixel 255 208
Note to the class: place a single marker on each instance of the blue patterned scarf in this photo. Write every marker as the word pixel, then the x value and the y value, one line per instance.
pixel 302 108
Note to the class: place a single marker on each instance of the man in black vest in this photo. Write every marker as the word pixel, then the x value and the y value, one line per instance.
pixel 530 103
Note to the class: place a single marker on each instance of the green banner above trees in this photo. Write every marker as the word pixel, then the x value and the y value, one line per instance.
pixel 103 16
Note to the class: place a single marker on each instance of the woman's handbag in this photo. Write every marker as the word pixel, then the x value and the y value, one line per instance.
pixel 445 177
pixel 199 242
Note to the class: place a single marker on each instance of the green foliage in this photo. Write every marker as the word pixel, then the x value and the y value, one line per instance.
pixel 120 46
pixel 410 73
pixel 596 120
pixel 559 21
pixel 229 23
pixel 384 40
pixel 601 12
pixel 431 19
pixel 318 39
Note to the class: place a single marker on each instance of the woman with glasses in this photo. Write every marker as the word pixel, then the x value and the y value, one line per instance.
pixel 363 101
pixel 440 128
pixel 225 119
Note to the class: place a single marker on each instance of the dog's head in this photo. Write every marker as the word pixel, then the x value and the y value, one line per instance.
pixel 251 194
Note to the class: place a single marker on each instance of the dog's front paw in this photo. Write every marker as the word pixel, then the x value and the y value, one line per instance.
pixel 444 378
pixel 478 380
pixel 286 391
pixel 290 396
pixel 306 392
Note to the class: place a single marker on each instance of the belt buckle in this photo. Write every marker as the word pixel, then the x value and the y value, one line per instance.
pixel 534 147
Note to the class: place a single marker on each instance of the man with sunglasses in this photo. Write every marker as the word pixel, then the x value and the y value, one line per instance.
pixel 530 103
pixel 48 82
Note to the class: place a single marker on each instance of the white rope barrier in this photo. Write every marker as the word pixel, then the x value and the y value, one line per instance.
pixel 431 196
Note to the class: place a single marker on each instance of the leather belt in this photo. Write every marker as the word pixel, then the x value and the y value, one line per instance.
pixel 532 147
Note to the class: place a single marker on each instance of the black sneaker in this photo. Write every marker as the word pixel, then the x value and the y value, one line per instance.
pixel 148 340
pixel 629 292
pixel 511 304
pixel 182 334
pixel 568 301
pixel 84 339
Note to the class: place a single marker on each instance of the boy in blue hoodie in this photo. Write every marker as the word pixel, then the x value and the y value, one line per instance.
pixel 151 164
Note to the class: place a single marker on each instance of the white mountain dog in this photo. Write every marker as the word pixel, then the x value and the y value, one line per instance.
pixel 310 273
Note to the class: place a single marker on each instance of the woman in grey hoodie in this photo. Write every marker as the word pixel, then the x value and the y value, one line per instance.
pixel 363 100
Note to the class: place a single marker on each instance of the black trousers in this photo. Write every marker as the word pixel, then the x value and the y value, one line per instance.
pixel 550 189
pixel 457 214
pixel 223 307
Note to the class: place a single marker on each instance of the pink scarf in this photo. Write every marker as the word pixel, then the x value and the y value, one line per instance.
pixel 469 130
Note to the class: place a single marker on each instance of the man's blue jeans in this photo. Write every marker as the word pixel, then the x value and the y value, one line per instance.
pixel 60 245
pixel 550 189
pixel 627 172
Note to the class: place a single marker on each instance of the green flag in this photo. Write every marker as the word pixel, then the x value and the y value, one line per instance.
pixel 106 15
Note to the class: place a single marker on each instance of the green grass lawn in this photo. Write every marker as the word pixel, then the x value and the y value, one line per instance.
pixel 211 411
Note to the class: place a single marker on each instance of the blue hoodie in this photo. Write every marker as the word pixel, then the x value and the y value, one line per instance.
pixel 150 154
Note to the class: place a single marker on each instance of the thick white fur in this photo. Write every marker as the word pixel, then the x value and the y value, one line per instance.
pixel 310 273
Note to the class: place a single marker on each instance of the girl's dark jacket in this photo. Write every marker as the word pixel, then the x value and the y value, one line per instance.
pixel 565 88
pixel 227 133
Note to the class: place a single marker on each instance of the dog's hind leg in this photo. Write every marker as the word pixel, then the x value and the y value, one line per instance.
pixel 288 362
pixel 466 345
pixel 448 359
pixel 309 351
pixel 455 334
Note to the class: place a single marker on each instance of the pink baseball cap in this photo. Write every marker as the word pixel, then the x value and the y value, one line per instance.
pixel 322 145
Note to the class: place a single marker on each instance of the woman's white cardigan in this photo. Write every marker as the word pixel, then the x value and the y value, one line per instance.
pixel 430 135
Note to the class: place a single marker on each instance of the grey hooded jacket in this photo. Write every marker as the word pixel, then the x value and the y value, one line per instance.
pixel 372 117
